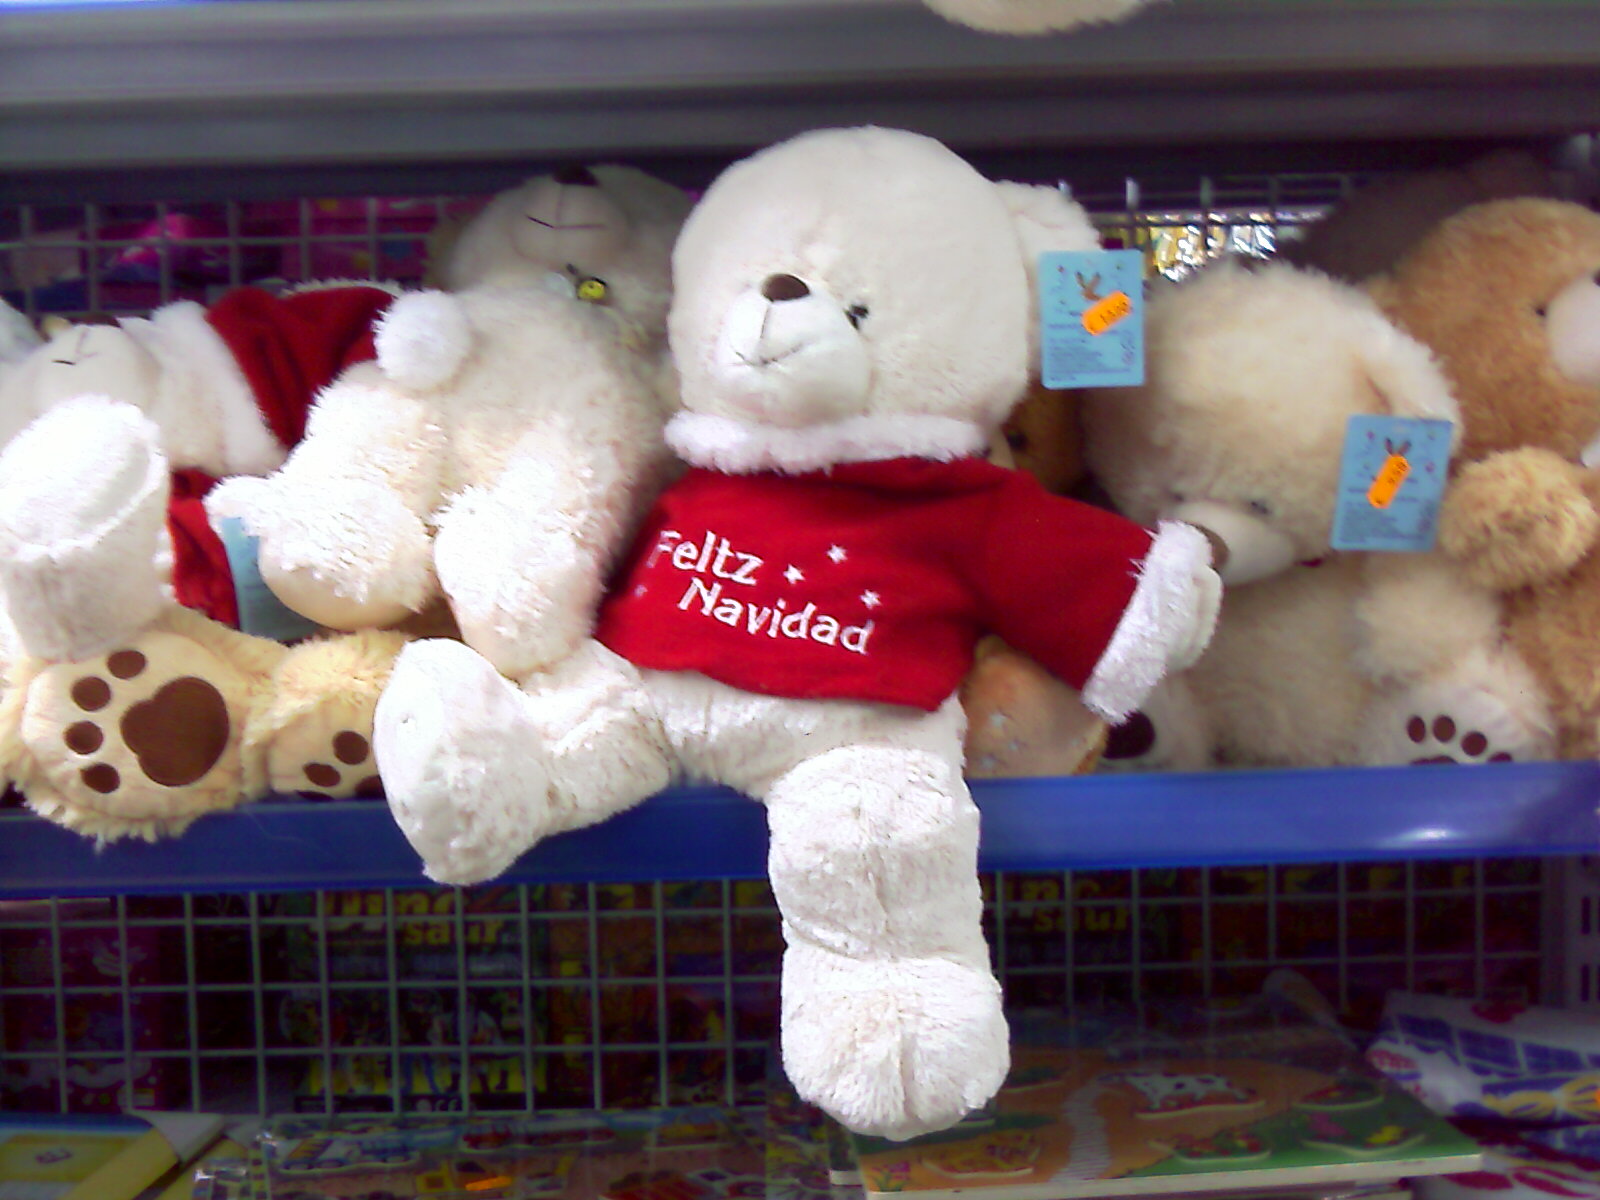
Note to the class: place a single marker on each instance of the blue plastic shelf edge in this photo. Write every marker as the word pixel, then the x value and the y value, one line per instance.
pixel 1105 821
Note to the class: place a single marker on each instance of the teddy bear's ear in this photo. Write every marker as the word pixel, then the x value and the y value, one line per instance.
pixel 1404 374
pixel 1045 219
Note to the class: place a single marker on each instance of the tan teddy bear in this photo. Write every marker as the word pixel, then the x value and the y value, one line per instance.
pixel 1507 296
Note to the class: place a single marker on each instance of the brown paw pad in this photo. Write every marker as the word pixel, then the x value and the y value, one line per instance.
pixel 350 772
pixel 176 735
pixel 1442 741
pixel 1134 738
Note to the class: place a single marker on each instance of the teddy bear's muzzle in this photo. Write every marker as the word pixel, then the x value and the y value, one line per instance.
pixel 1244 548
pixel 1572 322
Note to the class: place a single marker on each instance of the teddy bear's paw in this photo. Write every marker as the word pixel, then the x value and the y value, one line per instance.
pixel 1444 726
pixel 464 774
pixel 360 559
pixel 307 761
pixel 893 1048
pixel 145 732
pixel 1164 735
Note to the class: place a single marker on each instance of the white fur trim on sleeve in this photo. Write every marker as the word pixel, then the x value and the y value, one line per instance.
pixel 1166 625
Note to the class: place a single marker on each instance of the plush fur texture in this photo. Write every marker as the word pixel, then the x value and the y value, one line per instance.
pixel 604 223
pixel 865 279
pixel 1252 375
pixel 1033 16
pixel 125 715
pixel 174 368
pixel 507 489
pixel 1506 295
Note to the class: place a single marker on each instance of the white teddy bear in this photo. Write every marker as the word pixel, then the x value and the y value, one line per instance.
pixel 508 439
pixel 1252 375
pixel 850 322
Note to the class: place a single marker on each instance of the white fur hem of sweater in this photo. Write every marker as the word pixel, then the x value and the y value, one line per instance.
pixel 207 410
pixel 1170 616
pixel 723 444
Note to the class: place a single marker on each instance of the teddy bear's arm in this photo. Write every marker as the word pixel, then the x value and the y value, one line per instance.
pixel 1103 603
pixel 342 525
pixel 1518 518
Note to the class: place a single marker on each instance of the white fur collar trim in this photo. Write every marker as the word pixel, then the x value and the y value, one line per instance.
pixel 206 410
pixel 723 444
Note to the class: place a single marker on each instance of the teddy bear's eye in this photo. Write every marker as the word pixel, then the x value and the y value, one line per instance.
pixel 1016 439
pixel 1260 507
pixel 1538 311
pixel 856 314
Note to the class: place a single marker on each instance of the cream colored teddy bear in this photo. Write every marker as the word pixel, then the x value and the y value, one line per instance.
pixel 850 324
pixel 1252 376
pixel 498 452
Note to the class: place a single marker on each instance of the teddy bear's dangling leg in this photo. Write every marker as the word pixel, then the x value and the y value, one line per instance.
pixel 83 493
pixel 125 713
pixel 891 1016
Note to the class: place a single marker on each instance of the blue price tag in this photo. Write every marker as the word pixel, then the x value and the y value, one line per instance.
pixel 1391 480
pixel 1091 318
pixel 260 612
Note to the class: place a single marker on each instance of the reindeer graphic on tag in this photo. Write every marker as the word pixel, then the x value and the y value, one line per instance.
pixel 1393 472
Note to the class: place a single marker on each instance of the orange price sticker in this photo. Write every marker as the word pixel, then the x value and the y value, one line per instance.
pixel 1389 478
pixel 1106 312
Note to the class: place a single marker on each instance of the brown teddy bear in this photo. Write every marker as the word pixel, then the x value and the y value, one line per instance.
pixel 1368 231
pixel 1021 720
pixel 1507 295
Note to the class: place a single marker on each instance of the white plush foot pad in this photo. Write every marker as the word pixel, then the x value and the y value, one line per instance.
pixel 83 493
pixel 464 775
pixel 894 1048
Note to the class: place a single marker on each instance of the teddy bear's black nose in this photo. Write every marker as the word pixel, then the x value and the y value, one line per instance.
pixel 576 175
pixel 784 287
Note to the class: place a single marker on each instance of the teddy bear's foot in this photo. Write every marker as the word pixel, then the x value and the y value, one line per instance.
pixel 138 741
pixel 892 1047
pixel 464 772
pixel 358 559
pixel 318 730
pixel 1444 724
pixel 310 761
pixel 83 494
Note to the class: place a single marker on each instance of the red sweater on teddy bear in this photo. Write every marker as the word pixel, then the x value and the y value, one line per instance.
pixel 870 581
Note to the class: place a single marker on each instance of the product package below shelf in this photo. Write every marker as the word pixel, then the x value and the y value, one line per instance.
pixel 1234 817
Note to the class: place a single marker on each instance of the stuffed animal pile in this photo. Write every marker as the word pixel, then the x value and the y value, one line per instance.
pixel 126 713
pixel 727 495
pixel 1252 375
pixel 1507 296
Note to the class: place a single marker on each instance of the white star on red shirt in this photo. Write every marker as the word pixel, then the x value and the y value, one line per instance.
pixel 870 599
pixel 837 554
pixel 794 574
